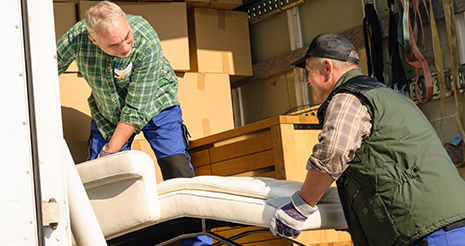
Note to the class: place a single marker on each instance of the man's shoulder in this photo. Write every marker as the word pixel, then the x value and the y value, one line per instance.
pixel 136 18
pixel 76 35
pixel 137 21
pixel 361 84
pixel 79 29
pixel 141 27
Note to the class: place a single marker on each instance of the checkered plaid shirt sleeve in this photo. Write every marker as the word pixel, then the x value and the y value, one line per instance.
pixel 347 123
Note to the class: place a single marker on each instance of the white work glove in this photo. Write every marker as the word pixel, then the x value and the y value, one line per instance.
pixel 104 153
pixel 290 218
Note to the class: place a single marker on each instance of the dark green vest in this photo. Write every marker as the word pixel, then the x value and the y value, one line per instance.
pixel 401 185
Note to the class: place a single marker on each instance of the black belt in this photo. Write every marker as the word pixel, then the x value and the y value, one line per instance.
pixel 455 225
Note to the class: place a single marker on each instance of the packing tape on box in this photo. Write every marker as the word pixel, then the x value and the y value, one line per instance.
pixel 225 62
pixel 201 81
pixel 225 59
pixel 206 126
pixel 221 20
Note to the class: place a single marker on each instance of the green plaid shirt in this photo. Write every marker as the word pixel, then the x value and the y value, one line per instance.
pixel 133 98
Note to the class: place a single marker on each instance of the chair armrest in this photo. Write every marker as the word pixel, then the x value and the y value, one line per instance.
pixel 122 189
pixel 117 167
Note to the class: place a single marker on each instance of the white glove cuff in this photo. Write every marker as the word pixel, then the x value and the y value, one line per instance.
pixel 301 206
pixel 106 152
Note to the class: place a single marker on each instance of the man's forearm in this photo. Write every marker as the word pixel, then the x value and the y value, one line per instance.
pixel 121 135
pixel 315 185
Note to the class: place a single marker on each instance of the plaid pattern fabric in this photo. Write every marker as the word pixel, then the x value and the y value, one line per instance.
pixel 149 87
pixel 347 123
pixel 290 210
pixel 283 229
pixel 287 229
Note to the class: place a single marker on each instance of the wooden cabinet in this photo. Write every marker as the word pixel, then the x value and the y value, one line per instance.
pixel 278 147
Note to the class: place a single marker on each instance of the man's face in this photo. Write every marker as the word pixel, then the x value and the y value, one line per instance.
pixel 318 79
pixel 118 42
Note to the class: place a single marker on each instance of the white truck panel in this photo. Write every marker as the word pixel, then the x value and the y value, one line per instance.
pixel 16 190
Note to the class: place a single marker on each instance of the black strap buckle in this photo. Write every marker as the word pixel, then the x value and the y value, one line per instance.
pixel 422 242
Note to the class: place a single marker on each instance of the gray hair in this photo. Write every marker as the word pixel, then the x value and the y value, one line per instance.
pixel 340 65
pixel 102 17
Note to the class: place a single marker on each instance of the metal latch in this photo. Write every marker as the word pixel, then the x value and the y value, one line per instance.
pixel 50 213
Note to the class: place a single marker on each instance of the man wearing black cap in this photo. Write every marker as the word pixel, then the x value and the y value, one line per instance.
pixel 396 183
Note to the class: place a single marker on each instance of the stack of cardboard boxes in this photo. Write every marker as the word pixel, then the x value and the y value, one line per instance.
pixel 207 44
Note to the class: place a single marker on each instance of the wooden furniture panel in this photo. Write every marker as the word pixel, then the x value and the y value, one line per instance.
pixel 203 170
pixel 266 174
pixel 325 237
pixel 252 128
pixel 241 148
pixel 262 172
pixel 243 164
pixel 200 158
pixel 293 148
pixel 255 237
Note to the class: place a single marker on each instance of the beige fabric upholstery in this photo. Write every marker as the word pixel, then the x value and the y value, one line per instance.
pixel 125 197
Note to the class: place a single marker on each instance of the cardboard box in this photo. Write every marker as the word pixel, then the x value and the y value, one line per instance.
pixel 76 115
pixel 214 4
pixel 144 146
pixel 66 1
pixel 65 14
pixel 206 103
pixel 73 68
pixel 79 150
pixel 169 21
pixel 65 17
pixel 219 42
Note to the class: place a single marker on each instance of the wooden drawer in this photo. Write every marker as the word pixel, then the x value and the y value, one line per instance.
pixel 241 148
pixel 200 158
pixel 203 170
pixel 243 164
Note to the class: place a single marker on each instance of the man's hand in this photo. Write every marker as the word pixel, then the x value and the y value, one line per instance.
pixel 121 135
pixel 290 218
pixel 104 153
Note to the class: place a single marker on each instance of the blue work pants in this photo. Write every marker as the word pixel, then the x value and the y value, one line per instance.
pixel 443 237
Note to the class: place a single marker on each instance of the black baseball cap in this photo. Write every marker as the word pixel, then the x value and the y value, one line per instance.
pixel 333 46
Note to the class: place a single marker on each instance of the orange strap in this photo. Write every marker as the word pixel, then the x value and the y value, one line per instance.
pixel 414 57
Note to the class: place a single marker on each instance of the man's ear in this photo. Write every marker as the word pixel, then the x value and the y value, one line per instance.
pixel 92 39
pixel 328 66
